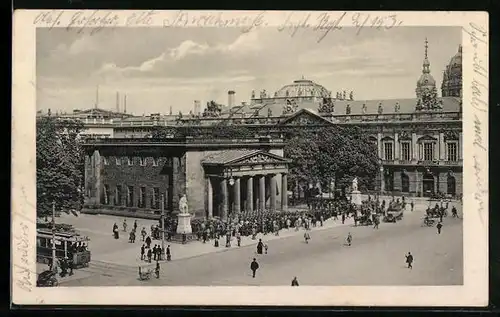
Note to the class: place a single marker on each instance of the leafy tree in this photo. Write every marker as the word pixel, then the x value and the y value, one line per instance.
pixel 59 165
pixel 332 153
pixel 232 132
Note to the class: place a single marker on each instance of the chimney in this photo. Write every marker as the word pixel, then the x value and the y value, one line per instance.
pixel 230 99
pixel 197 107
pixel 117 101
pixel 125 104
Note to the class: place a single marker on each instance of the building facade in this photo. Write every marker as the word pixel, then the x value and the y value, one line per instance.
pixel 219 177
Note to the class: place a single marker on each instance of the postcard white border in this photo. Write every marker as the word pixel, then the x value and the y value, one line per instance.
pixel 474 292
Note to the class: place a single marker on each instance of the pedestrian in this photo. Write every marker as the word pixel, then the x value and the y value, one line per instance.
pixel 307 237
pixel 216 242
pixel 143 233
pixel 142 252
pixel 148 242
pixel 439 226
pixel 349 239
pixel 295 282
pixel 115 231
pixel 149 255
pixel 265 248
pixel 157 270
pixel 260 245
pixel 343 218
pixel 254 266
pixel 70 265
pixel 412 205
pixel 454 212
pixel 205 236
pixel 376 222
pixel 321 220
pixel 124 225
pixel 441 216
pixel 238 238
pixel 154 252
pixel 409 260
pixel 135 225
pixel 169 256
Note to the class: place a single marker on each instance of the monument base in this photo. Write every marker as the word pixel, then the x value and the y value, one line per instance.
pixel 184 224
pixel 183 238
pixel 356 197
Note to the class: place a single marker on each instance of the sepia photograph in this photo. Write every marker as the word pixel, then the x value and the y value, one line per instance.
pixel 271 156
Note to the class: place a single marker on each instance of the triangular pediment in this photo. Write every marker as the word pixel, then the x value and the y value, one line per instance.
pixel 237 157
pixel 305 117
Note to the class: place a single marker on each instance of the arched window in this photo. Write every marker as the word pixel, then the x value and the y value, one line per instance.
pixel 405 182
pixel 451 185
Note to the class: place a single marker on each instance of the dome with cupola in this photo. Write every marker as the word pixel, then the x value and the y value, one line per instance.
pixel 426 82
pixel 303 88
pixel 452 76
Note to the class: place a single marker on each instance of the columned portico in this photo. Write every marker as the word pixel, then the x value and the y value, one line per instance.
pixel 262 192
pixel 247 180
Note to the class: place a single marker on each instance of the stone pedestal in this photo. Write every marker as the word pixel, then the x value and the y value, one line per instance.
pixel 184 223
pixel 356 197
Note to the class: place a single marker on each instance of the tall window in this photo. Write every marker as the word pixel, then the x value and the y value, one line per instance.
pixel 155 161
pixel 118 195
pixel 388 151
pixel 105 160
pixel 142 161
pixel 118 160
pixel 405 151
pixel 452 151
pixel 142 197
pixel 130 196
pixel 130 160
pixel 156 198
pixel 106 195
pixel 428 151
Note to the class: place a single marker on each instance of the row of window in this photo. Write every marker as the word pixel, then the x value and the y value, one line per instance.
pixel 125 196
pixel 451 185
pixel 129 160
pixel 426 151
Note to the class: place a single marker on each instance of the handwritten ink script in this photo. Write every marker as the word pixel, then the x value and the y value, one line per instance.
pixel 22 269
pixel 219 19
pixel 479 43
pixel 323 23
pixel 327 22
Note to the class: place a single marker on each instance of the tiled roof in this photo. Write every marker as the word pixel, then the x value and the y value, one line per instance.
pixel 227 156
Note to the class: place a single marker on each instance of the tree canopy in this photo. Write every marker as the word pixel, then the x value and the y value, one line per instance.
pixel 334 153
pixel 59 165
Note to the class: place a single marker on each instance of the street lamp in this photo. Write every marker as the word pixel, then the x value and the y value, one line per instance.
pixel 54 265
pixel 162 254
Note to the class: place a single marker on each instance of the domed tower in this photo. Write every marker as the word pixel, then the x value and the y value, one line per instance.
pixel 452 76
pixel 426 82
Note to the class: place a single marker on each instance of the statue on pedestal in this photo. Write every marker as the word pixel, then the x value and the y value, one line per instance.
pixel 184 217
pixel 355 184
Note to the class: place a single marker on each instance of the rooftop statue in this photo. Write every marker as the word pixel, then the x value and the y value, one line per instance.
pixel 380 108
pixel 348 109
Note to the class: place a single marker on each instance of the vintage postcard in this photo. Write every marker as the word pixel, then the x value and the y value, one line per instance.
pixel 250 158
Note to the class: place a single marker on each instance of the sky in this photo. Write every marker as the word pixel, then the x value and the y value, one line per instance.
pixel 160 68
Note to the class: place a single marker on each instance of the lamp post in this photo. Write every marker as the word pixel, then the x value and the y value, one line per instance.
pixel 54 265
pixel 162 254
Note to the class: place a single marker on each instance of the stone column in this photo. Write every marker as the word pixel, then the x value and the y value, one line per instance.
pixel 225 198
pixel 379 144
pixel 460 147
pixel 250 193
pixel 237 196
pixel 210 198
pixel 382 179
pixel 272 191
pixel 442 148
pixel 414 145
pixel 396 146
pixel 262 192
pixel 284 192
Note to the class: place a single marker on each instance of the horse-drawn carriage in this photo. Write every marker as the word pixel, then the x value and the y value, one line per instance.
pixel 145 275
pixel 364 219
pixel 394 213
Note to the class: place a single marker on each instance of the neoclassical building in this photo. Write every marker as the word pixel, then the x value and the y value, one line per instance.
pixel 218 176
pixel 419 142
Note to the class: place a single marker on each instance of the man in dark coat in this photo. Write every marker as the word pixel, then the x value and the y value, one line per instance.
pixel 439 226
pixel 148 242
pixel 260 245
pixel 295 282
pixel 254 266
pixel 142 252
pixel 149 255
pixel 169 256
pixel 155 252
pixel 409 260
